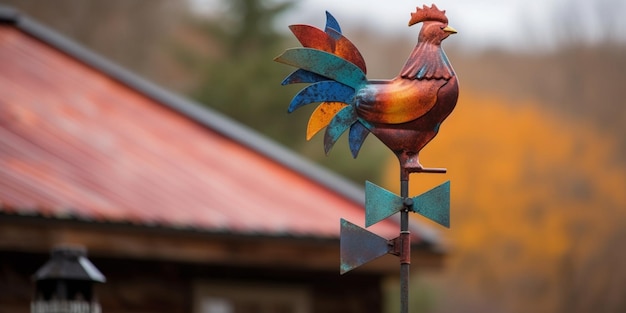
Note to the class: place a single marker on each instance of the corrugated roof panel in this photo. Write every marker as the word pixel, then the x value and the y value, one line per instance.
pixel 75 142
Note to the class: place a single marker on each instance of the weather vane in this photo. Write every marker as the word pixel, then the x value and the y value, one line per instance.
pixel 405 113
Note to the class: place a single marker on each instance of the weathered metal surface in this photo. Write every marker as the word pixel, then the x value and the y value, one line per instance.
pixel 330 40
pixel 321 91
pixel 404 266
pixel 325 64
pixel 322 115
pixel 357 136
pixel 404 243
pixel 331 23
pixel 401 247
pixel 359 246
pixel 433 204
pixel 342 121
pixel 405 112
pixel 380 204
pixel 300 76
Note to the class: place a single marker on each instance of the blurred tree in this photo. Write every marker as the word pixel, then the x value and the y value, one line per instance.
pixel 130 32
pixel 538 210
pixel 580 82
pixel 234 73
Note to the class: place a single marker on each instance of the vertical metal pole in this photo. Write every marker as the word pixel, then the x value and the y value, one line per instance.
pixel 405 255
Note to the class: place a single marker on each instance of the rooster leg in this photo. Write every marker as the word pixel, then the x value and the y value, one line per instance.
pixel 409 163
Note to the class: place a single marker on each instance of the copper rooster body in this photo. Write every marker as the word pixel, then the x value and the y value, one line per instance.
pixel 404 113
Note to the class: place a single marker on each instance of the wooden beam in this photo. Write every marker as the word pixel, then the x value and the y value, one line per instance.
pixel 36 234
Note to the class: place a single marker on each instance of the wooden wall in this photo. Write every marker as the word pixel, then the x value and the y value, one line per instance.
pixel 142 286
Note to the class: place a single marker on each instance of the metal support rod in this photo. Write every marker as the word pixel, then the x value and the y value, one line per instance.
pixel 405 253
pixel 405 236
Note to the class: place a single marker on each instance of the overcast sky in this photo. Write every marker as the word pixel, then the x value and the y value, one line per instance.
pixel 512 24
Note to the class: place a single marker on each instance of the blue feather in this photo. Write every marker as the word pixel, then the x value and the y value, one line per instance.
pixel 356 137
pixel 338 125
pixel 303 76
pixel 322 91
pixel 325 64
pixel 332 23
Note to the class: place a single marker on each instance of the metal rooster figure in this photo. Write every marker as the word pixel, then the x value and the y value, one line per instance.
pixel 405 113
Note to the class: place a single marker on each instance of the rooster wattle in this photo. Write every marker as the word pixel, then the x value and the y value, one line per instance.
pixel 404 113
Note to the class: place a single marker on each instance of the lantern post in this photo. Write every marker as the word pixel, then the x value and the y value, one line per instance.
pixel 64 284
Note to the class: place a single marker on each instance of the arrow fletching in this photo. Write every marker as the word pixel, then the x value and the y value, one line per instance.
pixel 433 204
pixel 380 204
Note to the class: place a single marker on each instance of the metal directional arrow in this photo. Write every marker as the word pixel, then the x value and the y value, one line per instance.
pixel 381 204
pixel 359 246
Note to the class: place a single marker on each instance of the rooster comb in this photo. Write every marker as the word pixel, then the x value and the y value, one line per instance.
pixel 428 14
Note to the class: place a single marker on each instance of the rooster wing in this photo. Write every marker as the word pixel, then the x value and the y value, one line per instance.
pixel 397 101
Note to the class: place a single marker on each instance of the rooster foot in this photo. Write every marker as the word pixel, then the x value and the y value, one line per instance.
pixel 412 164
pixel 409 163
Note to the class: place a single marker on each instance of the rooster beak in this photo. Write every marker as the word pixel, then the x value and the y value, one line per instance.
pixel 450 30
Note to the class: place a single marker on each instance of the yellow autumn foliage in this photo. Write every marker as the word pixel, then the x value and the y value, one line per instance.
pixel 538 208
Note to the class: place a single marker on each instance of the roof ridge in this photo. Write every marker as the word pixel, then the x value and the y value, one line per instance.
pixel 8 14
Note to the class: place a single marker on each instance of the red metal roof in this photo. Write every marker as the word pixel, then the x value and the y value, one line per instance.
pixel 76 143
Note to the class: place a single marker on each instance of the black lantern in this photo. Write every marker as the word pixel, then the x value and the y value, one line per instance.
pixel 65 283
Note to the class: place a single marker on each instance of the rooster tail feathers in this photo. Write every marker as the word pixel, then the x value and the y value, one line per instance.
pixel 336 70
pixel 325 64
pixel 345 49
pixel 338 125
pixel 326 113
pixel 322 115
pixel 322 91
pixel 356 137
pixel 312 37
pixel 300 76
pixel 331 23
pixel 330 40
